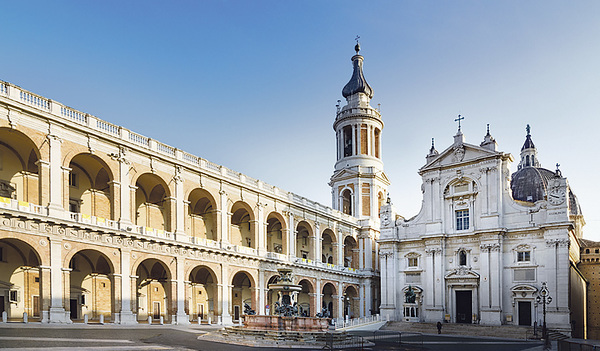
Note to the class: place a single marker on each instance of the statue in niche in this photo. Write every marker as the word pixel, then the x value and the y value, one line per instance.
pixel 410 296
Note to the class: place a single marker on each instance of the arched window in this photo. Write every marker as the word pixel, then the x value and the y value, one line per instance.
pixel 347 202
pixel 527 161
pixel 462 258
pixel 347 137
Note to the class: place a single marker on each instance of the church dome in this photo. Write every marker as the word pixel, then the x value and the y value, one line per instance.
pixel 357 83
pixel 530 183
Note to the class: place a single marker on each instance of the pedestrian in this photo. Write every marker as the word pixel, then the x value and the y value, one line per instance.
pixel 439 326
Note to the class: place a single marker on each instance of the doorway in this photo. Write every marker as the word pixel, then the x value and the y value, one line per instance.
pixel 200 312
pixel 525 313
pixel 464 306
pixel 74 307
pixel 36 306
pixel 2 308
pixel 156 310
pixel 236 313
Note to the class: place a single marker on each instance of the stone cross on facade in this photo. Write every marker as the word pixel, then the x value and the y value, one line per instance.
pixel 460 118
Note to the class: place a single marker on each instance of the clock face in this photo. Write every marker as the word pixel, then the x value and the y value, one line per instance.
pixel 556 196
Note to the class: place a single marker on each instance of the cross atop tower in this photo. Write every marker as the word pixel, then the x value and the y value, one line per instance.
pixel 460 118
pixel 357 46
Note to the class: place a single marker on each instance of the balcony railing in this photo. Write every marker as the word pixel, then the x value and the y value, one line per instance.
pixel 23 206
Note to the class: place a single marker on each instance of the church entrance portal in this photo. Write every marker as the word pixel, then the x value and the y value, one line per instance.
pixel 524 313
pixel 464 306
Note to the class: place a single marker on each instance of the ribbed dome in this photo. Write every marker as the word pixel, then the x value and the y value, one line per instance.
pixel 358 83
pixel 530 183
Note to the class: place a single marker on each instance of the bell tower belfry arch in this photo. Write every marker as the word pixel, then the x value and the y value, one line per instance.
pixel 358 184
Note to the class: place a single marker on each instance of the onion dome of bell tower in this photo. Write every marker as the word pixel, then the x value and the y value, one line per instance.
pixel 357 83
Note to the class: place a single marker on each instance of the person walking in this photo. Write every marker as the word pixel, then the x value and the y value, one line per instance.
pixel 439 327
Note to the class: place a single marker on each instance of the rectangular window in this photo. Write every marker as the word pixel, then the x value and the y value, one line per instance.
pixel 523 256
pixel 413 262
pixel 73 179
pixel 462 219
pixel 13 296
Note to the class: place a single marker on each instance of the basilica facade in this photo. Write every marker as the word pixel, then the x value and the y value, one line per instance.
pixel 486 242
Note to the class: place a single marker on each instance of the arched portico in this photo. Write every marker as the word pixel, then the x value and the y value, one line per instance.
pixel 306 299
pixel 242 292
pixel 92 288
pixel 351 302
pixel 277 241
pixel 154 290
pixel 19 174
pixel 328 247
pixel 351 258
pixel 242 225
pixel 152 207
pixel 201 221
pixel 330 300
pixel 304 241
pixel 90 187
pixel 203 294
pixel 21 288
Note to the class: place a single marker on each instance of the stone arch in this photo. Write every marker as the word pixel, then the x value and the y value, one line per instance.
pixel 203 294
pixel 242 292
pixel 277 240
pixel 329 299
pixel 271 295
pixel 346 201
pixel 19 174
pixel 21 288
pixel 152 207
pixel 329 247
pixel 242 225
pixel 306 299
pixel 351 252
pixel 351 300
pixel 201 215
pixel 154 288
pixel 92 286
pixel 89 186
pixel 304 240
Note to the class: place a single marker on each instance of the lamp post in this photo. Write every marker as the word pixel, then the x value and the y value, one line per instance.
pixel 545 299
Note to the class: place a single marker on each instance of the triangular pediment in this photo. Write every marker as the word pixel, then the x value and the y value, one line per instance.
pixel 462 273
pixel 344 174
pixel 459 154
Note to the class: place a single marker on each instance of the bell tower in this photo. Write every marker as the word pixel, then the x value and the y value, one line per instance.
pixel 358 185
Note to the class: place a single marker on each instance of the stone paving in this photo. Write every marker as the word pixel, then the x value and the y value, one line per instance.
pixel 501 331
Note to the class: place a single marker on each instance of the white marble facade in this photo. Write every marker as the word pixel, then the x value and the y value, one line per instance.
pixel 475 254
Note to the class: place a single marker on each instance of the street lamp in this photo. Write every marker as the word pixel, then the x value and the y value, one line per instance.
pixel 545 299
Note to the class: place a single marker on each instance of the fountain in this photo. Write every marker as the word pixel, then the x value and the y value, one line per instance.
pixel 284 328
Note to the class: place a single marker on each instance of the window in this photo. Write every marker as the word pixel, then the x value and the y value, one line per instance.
pixel 73 206
pixel 413 262
pixel 523 256
pixel 462 258
pixel 73 179
pixel 462 219
pixel 13 296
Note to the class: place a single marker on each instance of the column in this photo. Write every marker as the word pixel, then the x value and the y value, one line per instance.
pixel 225 292
pixel 261 236
pixel 132 210
pixel 43 182
pixel 126 316
pixel 318 297
pixel 340 247
pixel 55 206
pixel 115 200
pixel 67 292
pixel 125 203
pixel 179 204
pixel 223 214
pixel 133 290
pixel 291 236
pixel 354 141
pixel 317 243
pixel 368 298
pixel 340 300
pixel 361 252
pixel 361 300
pixel 45 293
pixel 368 253
pixel 181 317
pixel 262 292
pixel 57 311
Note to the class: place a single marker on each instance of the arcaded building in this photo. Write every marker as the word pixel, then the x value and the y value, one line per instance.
pixel 98 220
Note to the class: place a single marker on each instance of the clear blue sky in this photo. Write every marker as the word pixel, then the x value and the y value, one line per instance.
pixel 252 85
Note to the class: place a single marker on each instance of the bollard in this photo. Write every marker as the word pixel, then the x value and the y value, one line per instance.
pixel 4 317
pixel 161 320
pixel 101 319
pixel 149 319
pixel 25 317
pixel 220 320
pixel 86 319
pixel 199 320
pixel 209 320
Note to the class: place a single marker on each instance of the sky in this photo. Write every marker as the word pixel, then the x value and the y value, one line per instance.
pixel 252 85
